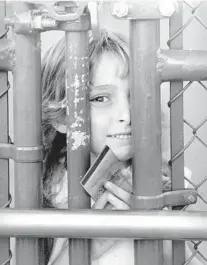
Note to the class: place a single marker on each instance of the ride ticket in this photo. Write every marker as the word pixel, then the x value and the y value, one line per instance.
pixel 105 168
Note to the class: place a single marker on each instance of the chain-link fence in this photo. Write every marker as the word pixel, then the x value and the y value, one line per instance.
pixel 195 141
pixel 194 129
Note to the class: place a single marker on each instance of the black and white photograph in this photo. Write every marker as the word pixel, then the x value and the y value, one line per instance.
pixel 103 132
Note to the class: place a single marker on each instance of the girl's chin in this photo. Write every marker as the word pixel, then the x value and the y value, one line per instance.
pixel 123 154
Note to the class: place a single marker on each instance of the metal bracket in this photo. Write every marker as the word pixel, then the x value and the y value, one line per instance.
pixel 21 154
pixel 30 21
pixel 67 11
pixel 49 17
pixel 141 9
pixel 167 199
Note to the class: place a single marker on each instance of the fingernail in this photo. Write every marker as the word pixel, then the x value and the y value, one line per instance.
pixel 107 185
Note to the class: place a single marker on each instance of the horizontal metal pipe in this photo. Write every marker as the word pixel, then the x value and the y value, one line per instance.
pixel 7 53
pixel 182 65
pixel 104 224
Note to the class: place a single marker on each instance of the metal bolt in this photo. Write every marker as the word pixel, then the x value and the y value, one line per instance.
pixel 167 7
pixel 120 9
pixel 48 22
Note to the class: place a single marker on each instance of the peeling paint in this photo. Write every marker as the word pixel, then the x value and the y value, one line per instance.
pixel 76 100
pixel 75 62
pixel 80 138
pixel 78 122
pixel 83 78
pixel 76 82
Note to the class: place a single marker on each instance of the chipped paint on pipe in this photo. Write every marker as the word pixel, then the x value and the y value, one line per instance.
pixel 76 89
pixel 78 131
pixel 77 135
pixel 182 65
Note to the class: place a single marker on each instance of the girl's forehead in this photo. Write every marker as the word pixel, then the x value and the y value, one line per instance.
pixel 109 59
pixel 108 67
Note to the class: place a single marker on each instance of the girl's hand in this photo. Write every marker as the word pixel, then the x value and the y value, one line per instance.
pixel 119 198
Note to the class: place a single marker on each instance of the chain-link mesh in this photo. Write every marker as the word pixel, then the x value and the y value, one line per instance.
pixel 197 136
pixel 194 13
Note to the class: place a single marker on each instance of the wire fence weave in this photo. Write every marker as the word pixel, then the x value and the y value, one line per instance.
pixel 195 246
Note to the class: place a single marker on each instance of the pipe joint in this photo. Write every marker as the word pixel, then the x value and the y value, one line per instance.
pixel 21 154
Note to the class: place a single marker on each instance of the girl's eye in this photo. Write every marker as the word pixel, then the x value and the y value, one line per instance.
pixel 102 99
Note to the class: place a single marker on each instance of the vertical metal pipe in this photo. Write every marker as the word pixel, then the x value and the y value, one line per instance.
pixel 176 125
pixel 78 124
pixel 4 164
pixel 146 124
pixel 27 132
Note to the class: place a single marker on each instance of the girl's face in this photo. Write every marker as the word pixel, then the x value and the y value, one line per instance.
pixel 110 108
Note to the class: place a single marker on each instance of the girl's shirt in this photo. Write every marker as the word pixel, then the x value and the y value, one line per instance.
pixel 122 252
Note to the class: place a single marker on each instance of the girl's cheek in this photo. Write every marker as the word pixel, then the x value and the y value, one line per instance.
pixel 100 117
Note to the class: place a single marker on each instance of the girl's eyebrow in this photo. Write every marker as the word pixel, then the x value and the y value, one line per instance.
pixel 101 87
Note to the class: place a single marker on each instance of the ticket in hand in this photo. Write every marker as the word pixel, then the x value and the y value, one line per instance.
pixel 105 168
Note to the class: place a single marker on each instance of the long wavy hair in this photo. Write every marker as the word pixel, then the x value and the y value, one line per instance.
pixel 53 86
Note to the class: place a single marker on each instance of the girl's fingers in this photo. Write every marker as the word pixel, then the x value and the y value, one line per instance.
pixel 118 204
pixel 118 192
pixel 127 174
pixel 102 201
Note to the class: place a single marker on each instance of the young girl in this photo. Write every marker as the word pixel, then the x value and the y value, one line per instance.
pixel 110 124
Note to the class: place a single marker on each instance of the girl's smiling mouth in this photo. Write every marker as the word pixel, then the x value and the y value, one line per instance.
pixel 120 135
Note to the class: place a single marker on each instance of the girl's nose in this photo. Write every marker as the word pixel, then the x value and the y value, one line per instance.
pixel 123 112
